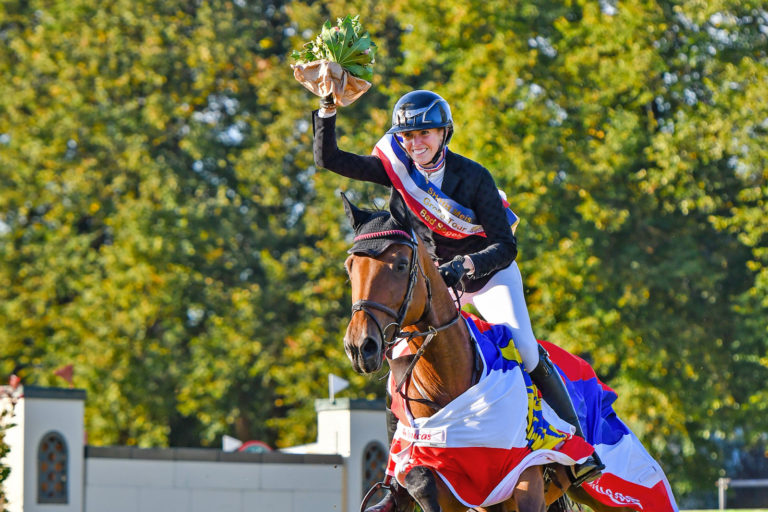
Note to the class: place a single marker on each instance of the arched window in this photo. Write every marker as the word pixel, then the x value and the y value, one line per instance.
pixel 52 468
pixel 374 465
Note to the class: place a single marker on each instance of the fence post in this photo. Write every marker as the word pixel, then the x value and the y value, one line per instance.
pixel 722 485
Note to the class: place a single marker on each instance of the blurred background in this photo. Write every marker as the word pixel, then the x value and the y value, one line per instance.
pixel 167 244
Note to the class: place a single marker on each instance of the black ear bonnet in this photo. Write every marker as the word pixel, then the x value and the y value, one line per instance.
pixel 375 230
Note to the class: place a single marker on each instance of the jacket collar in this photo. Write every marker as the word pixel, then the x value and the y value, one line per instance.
pixel 452 177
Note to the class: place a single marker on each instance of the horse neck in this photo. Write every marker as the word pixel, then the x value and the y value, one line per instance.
pixel 445 370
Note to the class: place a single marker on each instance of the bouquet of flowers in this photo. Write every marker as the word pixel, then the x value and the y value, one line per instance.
pixel 339 61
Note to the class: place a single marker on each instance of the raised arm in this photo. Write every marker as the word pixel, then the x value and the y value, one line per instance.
pixel 328 155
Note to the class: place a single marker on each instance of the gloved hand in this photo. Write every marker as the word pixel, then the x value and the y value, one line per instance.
pixel 327 102
pixel 453 271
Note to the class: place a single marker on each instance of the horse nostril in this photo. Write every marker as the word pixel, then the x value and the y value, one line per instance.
pixel 369 348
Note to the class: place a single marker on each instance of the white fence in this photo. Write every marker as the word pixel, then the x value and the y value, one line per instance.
pixel 724 483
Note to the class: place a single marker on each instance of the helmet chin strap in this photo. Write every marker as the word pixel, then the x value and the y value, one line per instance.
pixel 439 152
pixel 438 155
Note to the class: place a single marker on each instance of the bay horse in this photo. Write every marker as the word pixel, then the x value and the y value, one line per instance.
pixel 398 294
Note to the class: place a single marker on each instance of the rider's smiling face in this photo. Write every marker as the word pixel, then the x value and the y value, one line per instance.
pixel 422 145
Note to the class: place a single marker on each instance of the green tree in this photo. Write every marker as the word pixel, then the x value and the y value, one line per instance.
pixel 152 213
pixel 163 228
pixel 628 138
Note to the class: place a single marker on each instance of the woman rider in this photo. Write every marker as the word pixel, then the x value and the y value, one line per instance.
pixel 471 237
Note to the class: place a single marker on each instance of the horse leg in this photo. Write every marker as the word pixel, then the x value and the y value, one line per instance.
pixel 557 484
pixel 529 491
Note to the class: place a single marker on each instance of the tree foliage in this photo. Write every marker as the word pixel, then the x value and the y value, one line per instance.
pixel 9 397
pixel 163 228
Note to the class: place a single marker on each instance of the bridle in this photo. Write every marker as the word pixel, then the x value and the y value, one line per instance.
pixel 414 267
pixel 407 362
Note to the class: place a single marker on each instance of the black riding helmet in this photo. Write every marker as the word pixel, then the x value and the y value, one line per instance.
pixel 420 110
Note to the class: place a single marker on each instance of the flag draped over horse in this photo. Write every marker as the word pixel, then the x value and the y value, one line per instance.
pixel 479 444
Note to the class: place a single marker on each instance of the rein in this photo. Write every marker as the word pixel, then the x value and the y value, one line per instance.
pixel 411 359
pixel 404 366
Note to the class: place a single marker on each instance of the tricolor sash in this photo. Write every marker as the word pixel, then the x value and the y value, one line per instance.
pixel 439 212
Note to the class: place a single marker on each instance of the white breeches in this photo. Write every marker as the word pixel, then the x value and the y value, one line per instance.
pixel 501 301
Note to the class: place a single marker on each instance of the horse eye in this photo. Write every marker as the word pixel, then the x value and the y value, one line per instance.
pixel 401 265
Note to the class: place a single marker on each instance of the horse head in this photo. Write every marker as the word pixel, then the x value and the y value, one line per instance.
pixel 389 287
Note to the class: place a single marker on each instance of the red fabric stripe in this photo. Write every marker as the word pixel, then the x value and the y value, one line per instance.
pixel 612 490
pixel 574 367
pixel 398 406
pixel 481 324
pixel 474 472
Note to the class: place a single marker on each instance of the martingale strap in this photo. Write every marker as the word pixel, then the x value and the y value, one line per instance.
pixel 405 367
pixel 401 367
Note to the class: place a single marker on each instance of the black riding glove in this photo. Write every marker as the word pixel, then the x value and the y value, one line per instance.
pixel 453 271
pixel 327 102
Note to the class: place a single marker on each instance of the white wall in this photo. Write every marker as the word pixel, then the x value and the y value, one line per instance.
pixel 135 480
pixel 40 411
pixel 324 476
pixel 346 426
pixel 351 425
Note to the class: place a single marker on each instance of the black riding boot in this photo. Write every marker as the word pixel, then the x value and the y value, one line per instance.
pixel 553 390
pixel 397 499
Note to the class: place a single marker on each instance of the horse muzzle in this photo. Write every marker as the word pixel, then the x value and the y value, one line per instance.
pixel 365 353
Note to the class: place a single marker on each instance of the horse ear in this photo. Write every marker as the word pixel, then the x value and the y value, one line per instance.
pixel 398 209
pixel 356 216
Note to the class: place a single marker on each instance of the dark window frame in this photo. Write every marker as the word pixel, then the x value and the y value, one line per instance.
pixel 52 469
pixel 373 453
